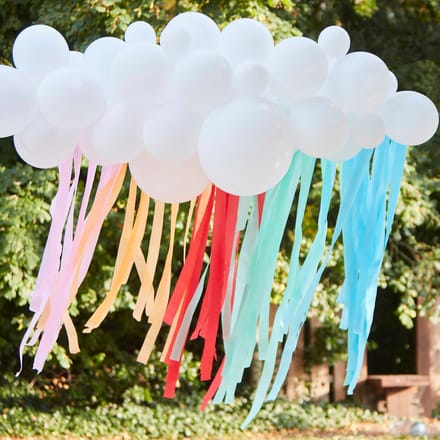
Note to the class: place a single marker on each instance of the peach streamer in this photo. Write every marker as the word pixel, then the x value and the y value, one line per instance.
pixel 146 270
pixel 128 247
pixel 159 307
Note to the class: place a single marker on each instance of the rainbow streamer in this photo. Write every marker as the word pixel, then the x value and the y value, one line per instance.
pixel 232 291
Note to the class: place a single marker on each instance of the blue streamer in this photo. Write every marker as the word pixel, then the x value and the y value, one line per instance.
pixel 292 312
pixel 365 237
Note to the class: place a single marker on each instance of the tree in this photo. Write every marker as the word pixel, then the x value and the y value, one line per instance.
pixel 405 33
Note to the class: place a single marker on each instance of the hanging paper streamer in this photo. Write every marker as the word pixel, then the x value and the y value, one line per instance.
pixel 70 258
pixel 243 158
pixel 365 238
pixel 254 305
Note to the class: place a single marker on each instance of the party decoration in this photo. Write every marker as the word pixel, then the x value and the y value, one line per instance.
pixel 236 126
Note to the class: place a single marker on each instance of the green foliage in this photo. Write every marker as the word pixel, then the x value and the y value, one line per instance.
pixel 23 413
pixel 24 220
pixel 405 33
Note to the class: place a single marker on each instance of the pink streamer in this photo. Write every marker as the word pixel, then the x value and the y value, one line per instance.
pixel 67 284
pixel 51 255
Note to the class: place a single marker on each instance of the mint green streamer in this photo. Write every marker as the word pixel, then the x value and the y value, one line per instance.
pixel 297 310
pixel 258 284
pixel 244 261
pixel 298 278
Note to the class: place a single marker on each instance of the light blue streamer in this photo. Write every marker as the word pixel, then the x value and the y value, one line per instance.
pixel 300 309
pixel 366 234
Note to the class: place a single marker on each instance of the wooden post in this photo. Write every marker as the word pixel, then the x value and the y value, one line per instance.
pixel 428 361
pixel 296 382
pixel 319 374
pixel 339 390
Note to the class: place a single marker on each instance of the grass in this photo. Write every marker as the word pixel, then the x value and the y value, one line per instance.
pixel 28 414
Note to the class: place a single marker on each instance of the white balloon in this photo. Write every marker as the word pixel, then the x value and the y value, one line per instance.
pixel 76 59
pixel 348 152
pixel 319 128
pixel 203 80
pixel 171 133
pixel 117 137
pixel 245 146
pixel 334 41
pixel 99 56
pixel 140 32
pixel 246 40
pixel 359 82
pixel 189 31
pixel 176 43
pixel 410 118
pixel 39 49
pixel 17 102
pixel 168 182
pixel 141 71
pixel 367 131
pixel 42 145
pixel 70 99
pixel 392 84
pixel 298 68
pixel 251 78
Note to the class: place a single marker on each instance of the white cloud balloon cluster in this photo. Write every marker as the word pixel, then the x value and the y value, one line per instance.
pixel 229 107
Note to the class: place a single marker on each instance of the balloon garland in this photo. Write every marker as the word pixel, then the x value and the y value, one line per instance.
pixel 236 125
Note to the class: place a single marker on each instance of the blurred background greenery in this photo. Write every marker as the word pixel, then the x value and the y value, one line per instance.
pixel 404 33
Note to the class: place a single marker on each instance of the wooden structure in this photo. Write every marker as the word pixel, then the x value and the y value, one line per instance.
pixel 401 395
pixel 398 394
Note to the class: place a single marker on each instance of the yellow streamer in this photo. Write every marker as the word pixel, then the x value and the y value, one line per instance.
pixel 163 294
pixel 72 336
pixel 104 200
pixel 127 227
pixel 44 316
pixel 147 270
pixel 203 204
pixel 126 254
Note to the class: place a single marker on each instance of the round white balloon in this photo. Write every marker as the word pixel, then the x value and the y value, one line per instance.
pixel 17 102
pixel 245 146
pixel 70 99
pixel 246 40
pixel 189 31
pixel 298 68
pixel 141 71
pixel 359 82
pixel 140 32
pixel 392 84
pixel 76 59
pixel 42 145
pixel 319 128
pixel 251 78
pixel 367 131
pixel 348 152
pixel 40 49
pixel 99 56
pixel 171 133
pixel 410 118
pixel 334 41
pixel 168 182
pixel 117 137
pixel 203 80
